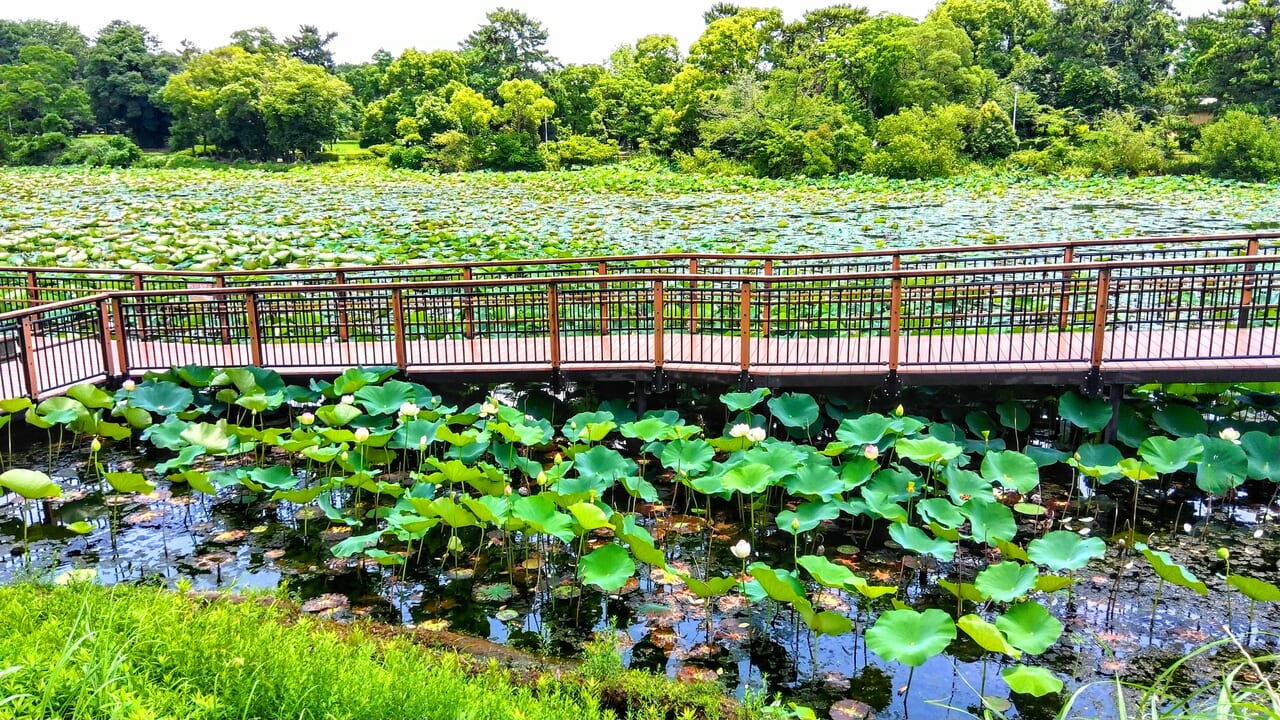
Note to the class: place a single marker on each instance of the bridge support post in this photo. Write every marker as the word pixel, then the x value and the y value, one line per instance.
pixel 658 381
pixel 1092 385
pixel 745 381
pixel 892 385
pixel 1116 393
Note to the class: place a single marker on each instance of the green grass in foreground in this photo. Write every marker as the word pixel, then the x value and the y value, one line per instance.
pixel 138 653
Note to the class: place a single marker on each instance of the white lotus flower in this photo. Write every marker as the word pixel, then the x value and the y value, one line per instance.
pixel 362 434
pixel 347 400
pixel 409 410
pixel 741 549
pixel 1229 434
pixel 488 408
pixel 129 385
pixel 740 430
pixel 307 419
pixel 871 452
pixel 756 434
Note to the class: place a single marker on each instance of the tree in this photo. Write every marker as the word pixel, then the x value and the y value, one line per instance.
pixel 509 46
pixel 1242 146
pixel 18 34
pixel 819 25
pixel 656 58
pixel 864 62
pixel 524 105
pixel 124 74
pixel 740 43
pixel 571 88
pixel 404 85
pixel 311 46
pixel 997 28
pixel 1234 55
pixel 38 93
pixel 257 40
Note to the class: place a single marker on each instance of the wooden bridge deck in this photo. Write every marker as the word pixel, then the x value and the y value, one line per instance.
pixel 1186 314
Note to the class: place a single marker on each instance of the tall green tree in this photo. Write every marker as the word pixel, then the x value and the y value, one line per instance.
pixel 510 45
pixel 311 46
pixel 39 93
pixel 740 43
pixel 18 34
pixel 1234 55
pixel 124 74
pixel 998 28
pixel 257 40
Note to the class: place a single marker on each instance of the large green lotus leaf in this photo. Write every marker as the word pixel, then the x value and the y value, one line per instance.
pixel 777 584
pixel 1011 469
pixel 275 477
pixel 649 429
pixel 213 437
pixel 1131 428
pixel 1044 456
pixel 865 430
pixel 356 544
pixel 1169 456
pixel 91 396
pixel 639 540
pixel 30 484
pixel 604 463
pixel 814 480
pixel 15 405
pixel 1255 589
pixel 1029 627
pixel 748 478
pixel 1035 681
pixel 1263 452
pixel 1222 466
pixel 489 508
pixel 927 450
pixel 914 539
pixel 688 456
pixel 129 482
pixel 162 398
pixel 1170 571
pixel 589 426
pixel 831 575
pixel 979 422
pixel 386 399
pixel 794 410
pixel 590 516
pixel 414 434
pixel 608 567
pixel 911 637
pixel 987 636
pixel 1013 416
pixel 782 457
pixel 1137 470
pixel 1092 414
pixel 1064 550
pixel 743 401
pixel 453 514
pixel 260 402
pixel 61 410
pixel 338 415
pixel 1180 421
pixel 352 379
pixel 807 516
pixel 965 485
pixel 1006 581
pixel 1101 462
pixel 540 513
pixel 989 521
pixel 710 587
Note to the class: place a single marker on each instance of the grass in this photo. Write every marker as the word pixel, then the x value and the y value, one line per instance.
pixel 84 652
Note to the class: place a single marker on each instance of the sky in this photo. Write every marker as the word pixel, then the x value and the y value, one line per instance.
pixel 579 31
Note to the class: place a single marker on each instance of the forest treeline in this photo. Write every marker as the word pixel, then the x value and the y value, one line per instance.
pixel 1070 86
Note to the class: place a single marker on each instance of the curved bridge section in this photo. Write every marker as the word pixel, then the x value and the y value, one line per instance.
pixel 1116 311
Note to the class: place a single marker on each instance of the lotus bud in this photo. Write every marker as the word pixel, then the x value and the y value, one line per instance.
pixel 488 408
pixel 986 434
pixel 455 544
pixel 542 478
pixel 307 419
pixel 422 443
pixel 795 524
pixel 739 430
pixel 899 410
pixel 95 446
pixel 1224 554
pixel 506 490
pixel 129 385
pixel 756 435
pixel 911 487
pixel 558 459
pixel 362 434
pixel 408 410
pixel 871 452
pixel 1231 435
pixel 345 456
pixel 347 400
pixel 741 549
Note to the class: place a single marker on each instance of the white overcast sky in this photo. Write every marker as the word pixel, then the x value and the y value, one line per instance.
pixel 579 31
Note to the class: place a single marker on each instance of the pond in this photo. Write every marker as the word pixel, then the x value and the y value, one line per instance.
pixel 383 525
pixel 222 219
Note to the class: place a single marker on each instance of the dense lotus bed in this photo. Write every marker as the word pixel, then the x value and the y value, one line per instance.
pixel 947 549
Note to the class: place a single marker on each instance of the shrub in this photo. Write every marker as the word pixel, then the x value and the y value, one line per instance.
pixel 1120 143
pixel 508 151
pixel 452 151
pixel 708 162
pixel 991 136
pixel 380 150
pixel 113 151
pixel 358 156
pixel 414 157
pixel 914 143
pixel 1240 145
pixel 39 149
pixel 1057 157
pixel 578 151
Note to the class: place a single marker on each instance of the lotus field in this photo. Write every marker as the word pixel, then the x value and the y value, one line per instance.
pixel 1016 551
pixel 223 219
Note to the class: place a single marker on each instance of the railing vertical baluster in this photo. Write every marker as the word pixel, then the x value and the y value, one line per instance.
pixel 344 319
pixel 224 318
pixel 104 334
pixel 468 307
pixel 29 357
pixel 744 327
pixel 1246 292
pixel 122 342
pixel 397 327
pixel 553 324
pixel 142 307
pixel 693 297
pixel 895 320
pixel 255 337
pixel 765 297
pixel 1068 256
pixel 1100 312
pixel 603 269
pixel 659 351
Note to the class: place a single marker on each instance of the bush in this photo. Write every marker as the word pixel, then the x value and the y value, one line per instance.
pixel 1059 156
pixel 39 149
pixel 991 136
pixel 508 151
pixel 578 151
pixel 1120 143
pixel 414 157
pixel 113 151
pixel 709 162
pixel 380 150
pixel 1240 145
pixel 452 151
pixel 914 143
pixel 358 156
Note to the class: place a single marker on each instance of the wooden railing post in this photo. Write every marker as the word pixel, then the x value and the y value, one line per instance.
pixel 1246 290
pixel 1064 307
pixel 764 300
pixel 344 319
pixel 744 327
pixel 397 328
pixel 33 288
pixel 895 323
pixel 104 330
pixel 1100 312
pixel 29 357
pixel 553 325
pixel 659 349
pixel 693 297
pixel 122 342
pixel 603 269
pixel 224 319
pixel 468 307
pixel 255 336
